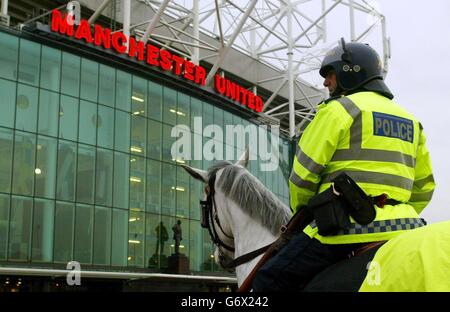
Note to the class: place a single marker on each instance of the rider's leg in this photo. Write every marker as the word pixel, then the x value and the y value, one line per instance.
pixel 294 265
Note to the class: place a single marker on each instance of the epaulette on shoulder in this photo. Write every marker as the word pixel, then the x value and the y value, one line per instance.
pixel 332 98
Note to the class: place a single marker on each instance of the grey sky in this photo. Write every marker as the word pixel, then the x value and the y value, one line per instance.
pixel 418 71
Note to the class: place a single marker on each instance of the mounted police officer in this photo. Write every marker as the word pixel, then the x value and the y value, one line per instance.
pixel 359 133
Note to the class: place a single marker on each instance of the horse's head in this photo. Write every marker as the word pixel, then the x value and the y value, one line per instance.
pixel 215 212
pixel 240 213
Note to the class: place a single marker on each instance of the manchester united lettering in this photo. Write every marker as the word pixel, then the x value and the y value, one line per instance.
pixel 152 55
pixel 118 41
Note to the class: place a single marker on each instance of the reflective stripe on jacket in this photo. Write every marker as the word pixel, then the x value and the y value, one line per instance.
pixel 377 143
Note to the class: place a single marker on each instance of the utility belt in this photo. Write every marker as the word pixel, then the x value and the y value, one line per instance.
pixel 331 209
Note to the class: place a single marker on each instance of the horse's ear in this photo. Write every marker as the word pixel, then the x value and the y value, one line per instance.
pixel 196 173
pixel 243 160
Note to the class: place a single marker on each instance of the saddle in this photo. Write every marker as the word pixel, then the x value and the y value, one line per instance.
pixel 366 247
pixel 346 275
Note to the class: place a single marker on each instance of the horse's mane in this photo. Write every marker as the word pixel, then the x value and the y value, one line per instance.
pixel 238 184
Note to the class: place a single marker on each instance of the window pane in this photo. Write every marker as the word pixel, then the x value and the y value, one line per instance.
pixel 102 236
pixel 168 189
pixel 237 120
pixel 121 180
pixel 45 167
pixel 196 193
pixel 206 163
pixel 48 113
pixel 182 190
pixel 154 100
pixel 7 103
pixel 9 51
pixel 122 136
pixel 20 228
pixel 89 80
pixel 86 174
pixel 184 244
pixel 136 239
pixel 208 114
pixel 105 126
pixel 269 180
pixel 107 85
pixel 183 113
pixel 139 96
pixel 119 238
pixel 153 186
pixel 104 170
pixel 138 135
pixel 4 225
pixel 196 111
pixel 208 263
pixel 195 246
pixel 197 149
pixel 30 54
pixel 168 222
pixel 218 117
pixel 137 183
pixel 167 143
pixel 26 102
pixel 6 146
pixel 84 224
pixel 67 158
pixel 64 219
pixel 154 130
pixel 43 216
pixel 70 74
pixel 164 239
pixel 68 118
pixel 88 123
pixel 170 106
pixel 227 119
pixel 156 240
pixel 50 68
pixel 24 153
pixel 123 91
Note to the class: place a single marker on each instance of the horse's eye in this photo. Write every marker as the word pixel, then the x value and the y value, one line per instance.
pixel 207 190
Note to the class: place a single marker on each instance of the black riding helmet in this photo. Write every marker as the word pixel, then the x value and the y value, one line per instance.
pixel 357 67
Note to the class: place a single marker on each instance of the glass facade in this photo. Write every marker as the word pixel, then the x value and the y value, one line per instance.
pixel 86 170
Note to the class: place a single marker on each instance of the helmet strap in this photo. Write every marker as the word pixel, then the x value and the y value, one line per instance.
pixel 337 91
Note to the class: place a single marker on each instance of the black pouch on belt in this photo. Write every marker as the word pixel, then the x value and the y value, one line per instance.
pixel 359 205
pixel 330 212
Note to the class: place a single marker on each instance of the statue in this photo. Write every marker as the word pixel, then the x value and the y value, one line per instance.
pixel 162 237
pixel 177 236
pixel 177 262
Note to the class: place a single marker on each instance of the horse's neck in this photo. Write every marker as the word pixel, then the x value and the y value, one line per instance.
pixel 249 235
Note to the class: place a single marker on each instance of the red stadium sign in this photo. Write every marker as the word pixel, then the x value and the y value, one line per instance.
pixel 152 55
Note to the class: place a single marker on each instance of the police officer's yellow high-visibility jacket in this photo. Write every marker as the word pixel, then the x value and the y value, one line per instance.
pixel 381 147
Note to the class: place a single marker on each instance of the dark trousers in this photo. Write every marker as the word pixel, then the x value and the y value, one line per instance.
pixel 297 263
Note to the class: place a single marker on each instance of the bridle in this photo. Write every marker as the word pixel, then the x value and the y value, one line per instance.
pixel 209 213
